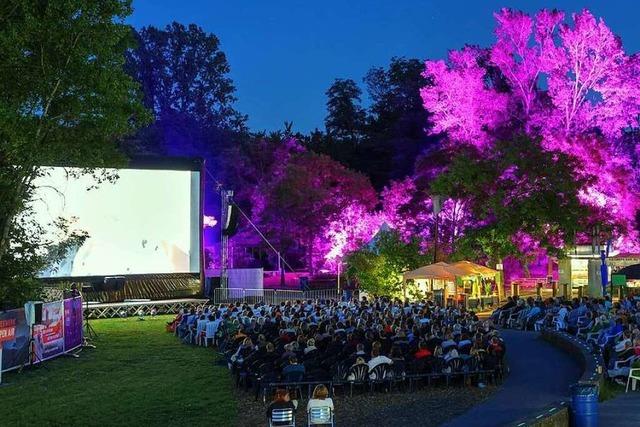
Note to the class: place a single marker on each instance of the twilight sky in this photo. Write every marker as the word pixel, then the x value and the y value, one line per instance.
pixel 284 54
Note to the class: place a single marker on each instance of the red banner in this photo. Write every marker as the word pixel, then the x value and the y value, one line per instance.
pixel 7 330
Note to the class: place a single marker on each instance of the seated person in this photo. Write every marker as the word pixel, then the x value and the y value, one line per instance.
pixel 495 346
pixel 310 350
pixel 359 361
pixel 636 346
pixel 293 369
pixel 464 345
pixel 377 359
pixel 281 401
pixel 359 353
pixel 448 344
pixel 451 355
pixel 422 352
pixel 533 314
pixel 171 326
pixel 320 399
pixel 243 351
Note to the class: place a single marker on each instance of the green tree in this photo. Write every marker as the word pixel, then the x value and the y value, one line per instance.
pixel 64 98
pixel 518 193
pixel 184 76
pixel 396 120
pixel 345 119
pixel 378 268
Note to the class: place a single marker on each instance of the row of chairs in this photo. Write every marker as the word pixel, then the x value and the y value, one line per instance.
pixel 318 416
pixel 388 376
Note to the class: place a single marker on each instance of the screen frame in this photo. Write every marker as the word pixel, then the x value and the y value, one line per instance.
pixel 170 163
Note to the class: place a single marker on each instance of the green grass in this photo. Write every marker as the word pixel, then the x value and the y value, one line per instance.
pixel 139 375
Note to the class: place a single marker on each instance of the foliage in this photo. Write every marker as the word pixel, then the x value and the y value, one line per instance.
pixel 351 228
pixel 385 146
pixel 304 202
pixel 516 190
pixel 184 77
pixel 345 119
pixel 64 99
pixel 378 269
pixel 31 253
pixel 124 381
pixel 569 83
pixel 313 192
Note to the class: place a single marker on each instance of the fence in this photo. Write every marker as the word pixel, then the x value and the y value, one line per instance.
pixel 268 296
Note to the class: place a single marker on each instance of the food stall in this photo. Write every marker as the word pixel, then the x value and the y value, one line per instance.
pixel 479 283
pixel 437 281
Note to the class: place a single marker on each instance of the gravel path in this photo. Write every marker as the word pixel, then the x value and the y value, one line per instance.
pixel 429 406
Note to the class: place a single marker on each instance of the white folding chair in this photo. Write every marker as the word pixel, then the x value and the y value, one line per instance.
pixel 201 325
pixel 282 416
pixel 321 415
pixel 634 376
pixel 210 334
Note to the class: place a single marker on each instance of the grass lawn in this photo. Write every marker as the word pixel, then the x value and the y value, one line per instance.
pixel 139 375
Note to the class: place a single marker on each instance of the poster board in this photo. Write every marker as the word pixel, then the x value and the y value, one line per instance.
pixel 59 332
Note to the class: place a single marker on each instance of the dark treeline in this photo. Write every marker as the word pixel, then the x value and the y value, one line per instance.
pixel 184 76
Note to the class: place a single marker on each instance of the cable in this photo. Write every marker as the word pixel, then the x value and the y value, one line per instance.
pixel 220 188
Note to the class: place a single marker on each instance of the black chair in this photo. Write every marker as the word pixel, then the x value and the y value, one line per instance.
pixel 264 375
pixel 381 374
pixel 470 368
pixel 454 368
pixel 294 377
pixel 358 375
pixel 339 373
pixel 398 372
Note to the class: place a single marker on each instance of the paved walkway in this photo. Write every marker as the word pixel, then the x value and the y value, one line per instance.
pixel 539 375
pixel 621 411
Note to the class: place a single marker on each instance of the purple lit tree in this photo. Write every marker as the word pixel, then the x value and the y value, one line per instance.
pixel 569 83
pixel 311 207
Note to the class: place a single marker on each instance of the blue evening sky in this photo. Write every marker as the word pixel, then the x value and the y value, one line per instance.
pixel 284 54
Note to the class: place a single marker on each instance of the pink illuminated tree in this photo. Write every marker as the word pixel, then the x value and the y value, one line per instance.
pixel 461 101
pixel 568 81
pixel 351 228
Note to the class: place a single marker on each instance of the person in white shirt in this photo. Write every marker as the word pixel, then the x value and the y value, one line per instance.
pixel 320 398
pixel 377 359
pixel 624 343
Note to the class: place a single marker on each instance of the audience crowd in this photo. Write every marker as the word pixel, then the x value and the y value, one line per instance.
pixel 380 340
pixel 356 341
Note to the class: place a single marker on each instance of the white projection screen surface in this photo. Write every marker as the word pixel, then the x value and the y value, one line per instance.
pixel 147 222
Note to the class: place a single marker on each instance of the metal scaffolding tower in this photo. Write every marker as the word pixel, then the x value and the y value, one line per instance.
pixel 227 200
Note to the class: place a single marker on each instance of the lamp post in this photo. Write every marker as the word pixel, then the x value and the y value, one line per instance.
pixel 436 202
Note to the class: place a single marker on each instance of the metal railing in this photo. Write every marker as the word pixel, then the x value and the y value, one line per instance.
pixel 254 296
pixel 269 296
pixel 322 294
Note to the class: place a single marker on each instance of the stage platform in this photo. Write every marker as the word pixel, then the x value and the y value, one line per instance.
pixel 97 310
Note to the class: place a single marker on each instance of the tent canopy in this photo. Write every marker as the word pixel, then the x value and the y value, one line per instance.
pixel 631 271
pixel 475 269
pixel 440 270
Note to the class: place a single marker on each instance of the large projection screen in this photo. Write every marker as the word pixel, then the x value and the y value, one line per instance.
pixel 147 222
